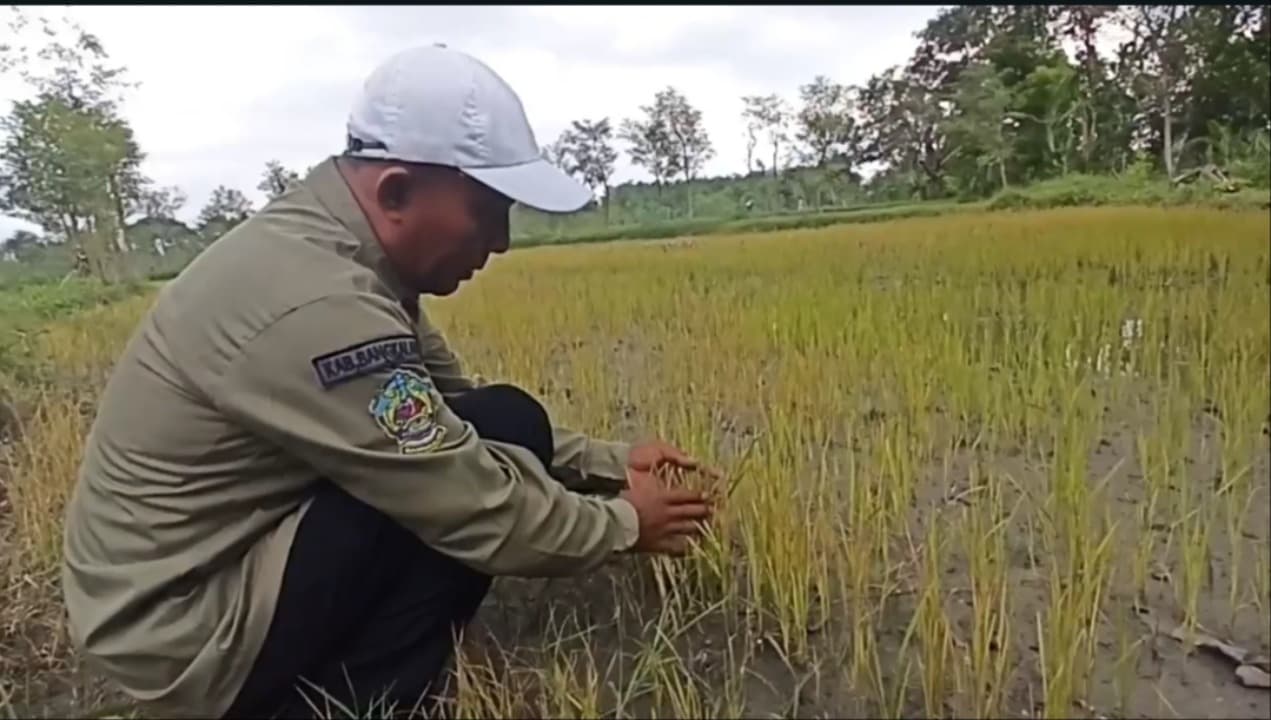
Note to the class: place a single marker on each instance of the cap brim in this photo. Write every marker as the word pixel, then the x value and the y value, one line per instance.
pixel 537 184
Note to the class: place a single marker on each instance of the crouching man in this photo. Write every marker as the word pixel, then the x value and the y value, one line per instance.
pixel 291 484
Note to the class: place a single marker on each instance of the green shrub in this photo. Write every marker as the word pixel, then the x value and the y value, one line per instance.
pixel 1133 187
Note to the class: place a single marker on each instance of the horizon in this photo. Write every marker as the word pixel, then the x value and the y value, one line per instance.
pixel 216 120
pixel 218 116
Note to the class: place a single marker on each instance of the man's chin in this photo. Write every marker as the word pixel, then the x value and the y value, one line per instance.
pixel 442 288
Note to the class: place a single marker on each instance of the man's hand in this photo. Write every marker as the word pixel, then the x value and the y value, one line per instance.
pixel 652 456
pixel 669 517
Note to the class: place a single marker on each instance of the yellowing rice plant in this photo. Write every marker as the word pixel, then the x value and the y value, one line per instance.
pixel 981 465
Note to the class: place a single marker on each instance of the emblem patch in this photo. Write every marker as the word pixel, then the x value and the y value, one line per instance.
pixel 405 408
pixel 365 358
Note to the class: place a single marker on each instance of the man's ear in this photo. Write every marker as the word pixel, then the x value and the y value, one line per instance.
pixel 392 191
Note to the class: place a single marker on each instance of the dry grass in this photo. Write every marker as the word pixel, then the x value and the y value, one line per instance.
pixel 956 470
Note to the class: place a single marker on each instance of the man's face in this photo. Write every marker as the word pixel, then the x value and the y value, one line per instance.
pixel 446 230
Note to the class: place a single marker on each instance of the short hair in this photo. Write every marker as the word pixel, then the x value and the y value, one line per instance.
pixel 420 173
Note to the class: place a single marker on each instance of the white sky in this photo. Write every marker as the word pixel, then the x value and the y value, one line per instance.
pixel 224 89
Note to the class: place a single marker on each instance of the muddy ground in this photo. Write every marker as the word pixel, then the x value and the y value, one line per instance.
pixel 1170 683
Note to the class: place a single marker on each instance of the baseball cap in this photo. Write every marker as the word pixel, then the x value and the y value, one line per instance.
pixel 439 106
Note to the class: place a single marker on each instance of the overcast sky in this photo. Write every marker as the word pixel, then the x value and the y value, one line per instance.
pixel 224 89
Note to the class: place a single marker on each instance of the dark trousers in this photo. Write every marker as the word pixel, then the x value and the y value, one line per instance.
pixel 367 612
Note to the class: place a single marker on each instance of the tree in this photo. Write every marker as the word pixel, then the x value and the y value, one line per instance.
pixel 225 208
pixel 649 145
pixel 587 146
pixel 1054 89
pixel 1228 74
pixel 754 126
pixel 905 129
pixel 826 126
pixel 21 243
pixel 69 162
pixel 557 154
pixel 161 203
pixel 277 180
pixel 692 146
pixel 770 115
pixel 670 140
pixel 1156 58
pixel 1082 24
pixel 981 122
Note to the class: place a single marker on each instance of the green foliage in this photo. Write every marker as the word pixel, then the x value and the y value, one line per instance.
pixel 27 307
pixel 585 150
pixel 670 140
pixel 981 127
pixel 226 208
pixel 767 119
pixel 827 126
pixel 717 226
pixel 1136 187
pixel 276 180
pixel 69 162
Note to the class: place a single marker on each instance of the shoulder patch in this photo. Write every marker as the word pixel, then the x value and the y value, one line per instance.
pixel 364 358
pixel 405 408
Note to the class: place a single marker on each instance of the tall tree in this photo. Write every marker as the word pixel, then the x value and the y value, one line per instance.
pixel 1011 40
pixel 906 129
pixel 753 129
pixel 826 125
pixel 686 136
pixel 588 145
pixel 557 154
pixel 649 145
pixel 981 123
pixel 1051 101
pixel 769 116
pixel 161 203
pixel 277 180
pixel 1228 72
pixel 69 162
pixel 1082 25
pixel 1156 60
pixel 225 208
pixel 685 131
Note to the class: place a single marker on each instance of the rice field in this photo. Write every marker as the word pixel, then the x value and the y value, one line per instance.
pixel 1006 465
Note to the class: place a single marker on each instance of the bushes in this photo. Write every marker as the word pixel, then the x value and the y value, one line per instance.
pixel 785 221
pixel 1131 188
pixel 25 309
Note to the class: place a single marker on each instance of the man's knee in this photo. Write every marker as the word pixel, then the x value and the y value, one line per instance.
pixel 506 413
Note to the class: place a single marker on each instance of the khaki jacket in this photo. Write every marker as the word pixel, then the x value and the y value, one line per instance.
pixel 282 354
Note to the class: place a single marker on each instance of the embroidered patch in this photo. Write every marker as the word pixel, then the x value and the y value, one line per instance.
pixel 366 358
pixel 405 408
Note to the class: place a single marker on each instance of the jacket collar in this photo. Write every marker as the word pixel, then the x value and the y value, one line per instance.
pixel 331 190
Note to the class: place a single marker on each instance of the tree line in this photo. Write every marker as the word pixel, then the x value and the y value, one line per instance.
pixel 993 96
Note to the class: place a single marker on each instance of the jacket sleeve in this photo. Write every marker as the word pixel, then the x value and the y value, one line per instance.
pixel 339 383
pixel 581 462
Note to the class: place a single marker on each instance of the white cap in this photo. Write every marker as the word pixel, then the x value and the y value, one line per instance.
pixel 442 107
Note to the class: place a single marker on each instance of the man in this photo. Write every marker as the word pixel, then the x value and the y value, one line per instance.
pixel 291 484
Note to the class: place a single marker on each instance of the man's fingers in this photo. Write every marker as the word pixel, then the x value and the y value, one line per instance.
pixel 691 511
pixel 679 457
pixel 683 496
pixel 682 459
pixel 689 528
